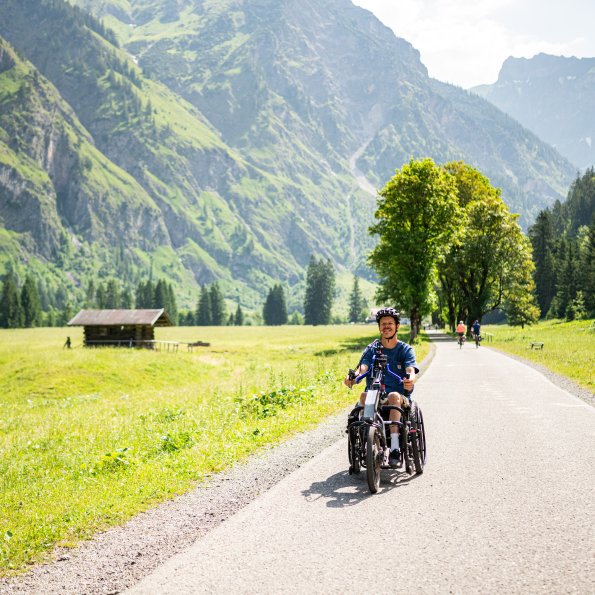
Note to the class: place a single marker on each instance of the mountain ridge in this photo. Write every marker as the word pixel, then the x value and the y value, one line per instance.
pixel 553 97
pixel 245 123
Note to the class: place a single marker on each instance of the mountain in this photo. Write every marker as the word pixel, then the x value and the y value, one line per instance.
pixel 225 140
pixel 552 96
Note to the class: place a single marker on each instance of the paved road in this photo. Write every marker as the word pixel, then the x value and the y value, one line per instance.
pixel 505 505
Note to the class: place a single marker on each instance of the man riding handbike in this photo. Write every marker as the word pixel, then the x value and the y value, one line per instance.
pixel 401 359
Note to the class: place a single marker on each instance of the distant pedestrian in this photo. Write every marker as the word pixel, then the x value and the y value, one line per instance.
pixel 68 343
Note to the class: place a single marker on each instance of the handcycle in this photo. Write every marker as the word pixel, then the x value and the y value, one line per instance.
pixel 369 434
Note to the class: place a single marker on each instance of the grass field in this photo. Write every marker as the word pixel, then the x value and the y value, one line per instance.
pixel 569 347
pixel 90 437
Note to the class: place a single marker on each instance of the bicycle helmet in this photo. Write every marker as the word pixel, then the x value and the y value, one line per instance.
pixel 388 312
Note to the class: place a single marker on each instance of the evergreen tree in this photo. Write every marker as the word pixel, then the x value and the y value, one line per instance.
pixel 218 314
pixel 126 299
pixel 588 270
pixel 112 295
pixel 101 296
pixel 145 295
pixel 567 282
pixel 160 296
pixel 238 319
pixel 90 295
pixel 542 238
pixel 10 304
pixel 51 318
pixel 274 311
pixel 320 288
pixel 30 303
pixel 171 304
pixel 66 314
pixel 203 309
pixel 356 302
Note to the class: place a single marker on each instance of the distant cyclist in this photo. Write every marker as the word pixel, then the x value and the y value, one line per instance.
pixel 476 329
pixel 461 329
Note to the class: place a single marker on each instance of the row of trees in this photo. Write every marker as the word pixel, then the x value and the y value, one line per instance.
pixel 20 308
pixel 563 240
pixel 448 244
pixel 23 307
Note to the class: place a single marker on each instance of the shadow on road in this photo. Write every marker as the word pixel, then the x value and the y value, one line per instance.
pixel 342 489
pixel 441 338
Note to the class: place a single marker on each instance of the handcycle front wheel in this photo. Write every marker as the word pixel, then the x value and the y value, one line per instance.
pixel 373 459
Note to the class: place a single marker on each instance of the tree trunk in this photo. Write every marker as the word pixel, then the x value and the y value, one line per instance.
pixel 415 323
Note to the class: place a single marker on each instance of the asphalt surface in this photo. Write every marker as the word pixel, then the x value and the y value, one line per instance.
pixel 505 504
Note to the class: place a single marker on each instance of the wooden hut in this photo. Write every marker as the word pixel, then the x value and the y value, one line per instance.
pixel 120 328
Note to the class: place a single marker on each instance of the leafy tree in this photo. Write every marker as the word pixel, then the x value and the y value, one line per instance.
pixel 486 264
pixel 10 305
pixel 357 303
pixel 296 318
pixel 30 303
pixel 203 309
pixel 320 288
pixel 417 219
pixel 274 311
pixel 218 314
pixel 520 304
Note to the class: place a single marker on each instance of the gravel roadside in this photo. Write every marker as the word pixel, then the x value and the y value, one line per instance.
pixel 118 558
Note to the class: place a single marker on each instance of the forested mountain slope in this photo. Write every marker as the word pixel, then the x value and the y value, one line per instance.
pixel 221 139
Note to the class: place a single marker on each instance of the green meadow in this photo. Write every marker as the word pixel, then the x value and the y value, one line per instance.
pixel 91 437
pixel 569 347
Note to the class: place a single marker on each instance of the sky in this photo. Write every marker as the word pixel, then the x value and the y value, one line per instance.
pixel 465 42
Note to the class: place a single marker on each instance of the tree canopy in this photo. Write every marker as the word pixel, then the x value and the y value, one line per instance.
pixel 445 234
pixel 417 217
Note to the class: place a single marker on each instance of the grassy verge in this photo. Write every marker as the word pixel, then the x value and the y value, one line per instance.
pixel 569 347
pixel 90 437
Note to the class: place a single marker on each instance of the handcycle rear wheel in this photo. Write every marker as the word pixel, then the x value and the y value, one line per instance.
pixel 373 459
pixel 418 439
pixel 354 466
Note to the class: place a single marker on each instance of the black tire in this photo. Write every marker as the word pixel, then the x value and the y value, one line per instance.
pixel 421 432
pixel 418 447
pixel 354 466
pixel 373 459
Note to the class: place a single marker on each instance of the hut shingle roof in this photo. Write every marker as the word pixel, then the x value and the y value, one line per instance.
pixel 157 317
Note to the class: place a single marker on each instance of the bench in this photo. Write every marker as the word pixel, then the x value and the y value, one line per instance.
pixel 536 345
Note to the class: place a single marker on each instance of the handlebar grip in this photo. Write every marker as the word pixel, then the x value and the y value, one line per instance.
pixel 407 393
pixel 351 374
